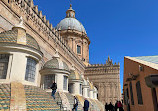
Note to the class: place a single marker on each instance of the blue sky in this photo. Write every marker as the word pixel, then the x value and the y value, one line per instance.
pixel 116 28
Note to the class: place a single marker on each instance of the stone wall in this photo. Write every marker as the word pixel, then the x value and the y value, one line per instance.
pixel 40 28
pixel 106 78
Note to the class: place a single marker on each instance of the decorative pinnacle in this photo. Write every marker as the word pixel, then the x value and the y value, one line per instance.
pixel 56 55
pixel 20 23
pixel 70 4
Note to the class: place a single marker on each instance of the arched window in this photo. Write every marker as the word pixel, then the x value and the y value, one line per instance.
pixel 4 59
pixel 30 70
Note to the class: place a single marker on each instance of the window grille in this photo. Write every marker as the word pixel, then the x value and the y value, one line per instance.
pixel 80 88
pixel 30 70
pixel 4 59
pixel 48 81
pixel 78 49
pixel 65 83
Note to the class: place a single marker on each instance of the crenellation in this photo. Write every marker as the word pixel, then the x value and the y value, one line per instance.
pixel 107 74
pixel 51 26
pixel 31 3
pixel 44 19
pixel 40 14
pixel 35 8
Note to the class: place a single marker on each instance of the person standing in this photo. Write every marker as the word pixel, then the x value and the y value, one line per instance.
pixel 54 88
pixel 111 107
pixel 119 105
pixel 75 104
pixel 116 105
pixel 106 107
pixel 86 105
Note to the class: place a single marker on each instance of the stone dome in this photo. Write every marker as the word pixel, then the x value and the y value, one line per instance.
pixel 56 63
pixel 74 75
pixel 70 22
pixel 11 36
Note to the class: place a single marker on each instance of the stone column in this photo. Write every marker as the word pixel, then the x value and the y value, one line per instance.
pixel 59 82
pixel 91 94
pixel 18 68
pixel 95 94
pixel 76 87
pixel 85 91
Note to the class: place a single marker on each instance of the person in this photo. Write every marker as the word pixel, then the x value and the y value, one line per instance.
pixel 54 88
pixel 75 104
pixel 86 105
pixel 111 107
pixel 106 107
pixel 116 105
pixel 119 105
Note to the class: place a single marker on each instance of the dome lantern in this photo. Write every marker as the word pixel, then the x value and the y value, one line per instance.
pixel 70 13
pixel 70 22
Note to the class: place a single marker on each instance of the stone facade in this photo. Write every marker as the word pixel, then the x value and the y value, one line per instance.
pixel 50 41
pixel 106 78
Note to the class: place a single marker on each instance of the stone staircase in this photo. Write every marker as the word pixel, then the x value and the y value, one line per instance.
pixel 58 100
pixel 95 106
pixel 71 99
pixel 100 105
pixel 4 97
pixel 39 100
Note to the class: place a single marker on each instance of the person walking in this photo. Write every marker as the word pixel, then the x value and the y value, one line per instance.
pixel 75 104
pixel 119 105
pixel 86 105
pixel 54 88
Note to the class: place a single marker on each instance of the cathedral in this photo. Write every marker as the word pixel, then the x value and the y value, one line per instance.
pixel 33 53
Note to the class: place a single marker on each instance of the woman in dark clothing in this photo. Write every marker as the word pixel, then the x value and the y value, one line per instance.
pixel 119 105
